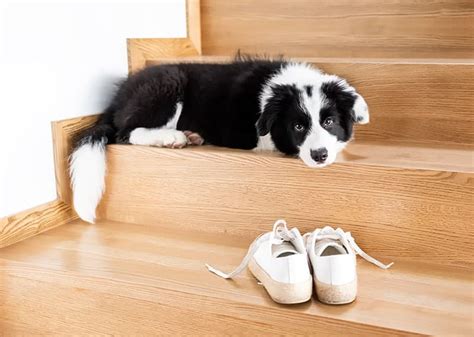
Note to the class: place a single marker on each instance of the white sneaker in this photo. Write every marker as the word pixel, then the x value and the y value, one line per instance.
pixel 332 253
pixel 278 259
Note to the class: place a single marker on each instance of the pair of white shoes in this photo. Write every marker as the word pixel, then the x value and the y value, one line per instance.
pixel 279 260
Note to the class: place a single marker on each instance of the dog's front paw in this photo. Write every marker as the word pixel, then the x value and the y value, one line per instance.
pixel 173 139
pixel 159 137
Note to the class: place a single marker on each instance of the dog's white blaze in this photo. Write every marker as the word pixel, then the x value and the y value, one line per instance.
pixel 318 137
pixel 87 169
pixel 299 74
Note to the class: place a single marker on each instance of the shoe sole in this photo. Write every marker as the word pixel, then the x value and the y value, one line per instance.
pixel 283 293
pixel 336 294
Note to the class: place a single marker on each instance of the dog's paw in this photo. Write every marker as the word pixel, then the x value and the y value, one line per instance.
pixel 159 137
pixel 173 139
pixel 194 138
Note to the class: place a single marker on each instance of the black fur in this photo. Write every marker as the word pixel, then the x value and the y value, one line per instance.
pixel 282 113
pixel 221 103
pixel 339 108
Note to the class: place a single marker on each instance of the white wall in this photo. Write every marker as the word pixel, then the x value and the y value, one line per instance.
pixel 59 60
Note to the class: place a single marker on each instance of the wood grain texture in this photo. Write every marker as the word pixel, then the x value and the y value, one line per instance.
pixel 193 23
pixel 340 28
pixel 395 211
pixel 141 50
pixel 413 101
pixel 34 221
pixel 64 132
pixel 395 155
pixel 122 279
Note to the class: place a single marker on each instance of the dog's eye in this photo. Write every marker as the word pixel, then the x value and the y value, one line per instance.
pixel 299 127
pixel 328 122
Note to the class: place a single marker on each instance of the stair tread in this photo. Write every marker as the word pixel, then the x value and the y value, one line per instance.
pixel 400 155
pixel 124 278
pixel 414 156
pixel 351 60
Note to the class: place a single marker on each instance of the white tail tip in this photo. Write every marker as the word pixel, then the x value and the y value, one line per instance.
pixel 87 169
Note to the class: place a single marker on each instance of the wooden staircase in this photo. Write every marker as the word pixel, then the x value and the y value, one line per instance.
pixel 404 188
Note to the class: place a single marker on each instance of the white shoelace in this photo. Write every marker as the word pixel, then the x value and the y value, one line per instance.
pixel 279 234
pixel 346 237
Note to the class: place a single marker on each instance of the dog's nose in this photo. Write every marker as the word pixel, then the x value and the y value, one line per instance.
pixel 319 155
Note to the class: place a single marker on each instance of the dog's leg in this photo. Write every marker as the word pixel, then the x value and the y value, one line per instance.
pixel 160 137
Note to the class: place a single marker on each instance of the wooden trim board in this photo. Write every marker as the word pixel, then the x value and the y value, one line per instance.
pixel 34 221
pixel 142 50
pixel 64 132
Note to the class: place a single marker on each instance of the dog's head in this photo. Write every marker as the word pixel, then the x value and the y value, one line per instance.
pixel 310 114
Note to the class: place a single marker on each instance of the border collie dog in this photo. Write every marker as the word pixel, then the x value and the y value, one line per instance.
pixel 246 104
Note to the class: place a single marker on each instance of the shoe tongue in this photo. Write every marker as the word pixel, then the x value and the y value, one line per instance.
pixel 324 244
pixel 283 249
pixel 298 241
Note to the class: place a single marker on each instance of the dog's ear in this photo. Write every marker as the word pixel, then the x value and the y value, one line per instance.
pixel 360 110
pixel 346 98
pixel 278 98
pixel 264 123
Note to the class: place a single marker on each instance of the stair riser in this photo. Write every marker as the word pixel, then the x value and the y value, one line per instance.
pixel 342 28
pixel 394 212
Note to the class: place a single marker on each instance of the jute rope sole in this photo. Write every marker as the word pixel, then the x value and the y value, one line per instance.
pixel 284 293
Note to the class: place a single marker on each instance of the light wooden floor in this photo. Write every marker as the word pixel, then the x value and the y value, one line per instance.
pixel 122 279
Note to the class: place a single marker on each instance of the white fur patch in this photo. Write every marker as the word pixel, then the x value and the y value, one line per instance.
pixel 158 137
pixel 173 122
pixel 265 143
pixel 87 170
pixel 300 74
pixel 361 110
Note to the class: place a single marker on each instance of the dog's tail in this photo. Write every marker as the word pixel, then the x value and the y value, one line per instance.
pixel 87 166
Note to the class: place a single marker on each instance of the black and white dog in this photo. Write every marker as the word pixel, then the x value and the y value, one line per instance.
pixel 247 104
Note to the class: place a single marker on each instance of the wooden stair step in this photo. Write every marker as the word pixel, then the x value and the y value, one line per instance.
pixel 412 156
pixel 427 29
pixel 411 100
pixel 118 278
pixel 397 210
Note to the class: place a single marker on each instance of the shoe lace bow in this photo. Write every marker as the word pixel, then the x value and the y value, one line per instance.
pixel 280 234
pixel 346 238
